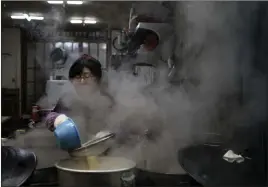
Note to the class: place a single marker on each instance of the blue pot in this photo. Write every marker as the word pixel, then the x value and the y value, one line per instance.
pixel 67 135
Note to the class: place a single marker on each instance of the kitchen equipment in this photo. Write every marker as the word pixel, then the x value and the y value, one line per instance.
pixel 187 158
pixel 3 141
pixel 35 116
pixel 58 56
pixel 206 165
pixel 212 139
pixel 20 132
pixel 58 75
pixel 201 143
pixel 67 135
pixel 48 177
pixel 43 177
pixel 145 71
pixel 99 171
pixel 17 165
pixel 93 147
pixel 151 178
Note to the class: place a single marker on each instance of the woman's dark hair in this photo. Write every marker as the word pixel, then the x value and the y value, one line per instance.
pixel 86 61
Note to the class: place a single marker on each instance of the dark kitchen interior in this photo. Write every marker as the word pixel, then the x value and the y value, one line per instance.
pixel 180 39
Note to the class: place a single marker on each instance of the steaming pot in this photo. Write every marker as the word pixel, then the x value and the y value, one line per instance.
pixel 96 171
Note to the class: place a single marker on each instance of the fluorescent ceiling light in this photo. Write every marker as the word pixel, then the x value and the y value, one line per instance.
pixel 76 21
pixel 75 2
pixel 90 21
pixel 36 17
pixel 55 2
pixel 26 16
pixel 17 17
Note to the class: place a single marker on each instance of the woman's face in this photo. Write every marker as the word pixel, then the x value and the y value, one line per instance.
pixel 86 78
pixel 85 83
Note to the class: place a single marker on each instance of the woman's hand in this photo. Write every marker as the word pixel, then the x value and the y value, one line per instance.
pixel 53 119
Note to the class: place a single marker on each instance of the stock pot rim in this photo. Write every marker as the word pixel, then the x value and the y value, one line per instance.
pixel 131 165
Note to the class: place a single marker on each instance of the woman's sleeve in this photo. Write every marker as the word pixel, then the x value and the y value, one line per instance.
pixel 51 117
pixel 49 120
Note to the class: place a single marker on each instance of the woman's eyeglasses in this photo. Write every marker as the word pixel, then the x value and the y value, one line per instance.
pixel 84 76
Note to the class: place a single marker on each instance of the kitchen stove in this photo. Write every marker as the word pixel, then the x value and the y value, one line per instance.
pixel 48 177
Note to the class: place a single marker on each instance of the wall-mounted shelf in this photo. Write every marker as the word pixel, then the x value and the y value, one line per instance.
pixel 75 36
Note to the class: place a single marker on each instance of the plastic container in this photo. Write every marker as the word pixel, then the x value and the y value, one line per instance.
pixel 67 135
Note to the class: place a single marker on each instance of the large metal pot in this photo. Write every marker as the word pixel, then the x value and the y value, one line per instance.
pixel 96 171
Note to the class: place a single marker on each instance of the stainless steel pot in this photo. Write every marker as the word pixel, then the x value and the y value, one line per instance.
pixel 96 171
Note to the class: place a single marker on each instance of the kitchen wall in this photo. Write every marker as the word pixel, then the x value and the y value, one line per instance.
pixel 11 70
pixel 261 87
pixel 11 58
pixel 39 66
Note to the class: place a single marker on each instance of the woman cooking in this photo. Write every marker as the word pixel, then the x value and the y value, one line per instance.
pixel 90 108
pixel 137 125
pixel 83 100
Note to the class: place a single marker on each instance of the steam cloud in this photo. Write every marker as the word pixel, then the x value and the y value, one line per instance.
pixel 210 37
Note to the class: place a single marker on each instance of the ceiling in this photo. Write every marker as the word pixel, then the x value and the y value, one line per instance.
pixel 112 13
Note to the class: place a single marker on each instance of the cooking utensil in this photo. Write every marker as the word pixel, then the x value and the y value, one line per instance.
pixel 150 178
pixel 101 171
pixel 58 56
pixel 206 165
pixel 17 166
pixel 93 147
